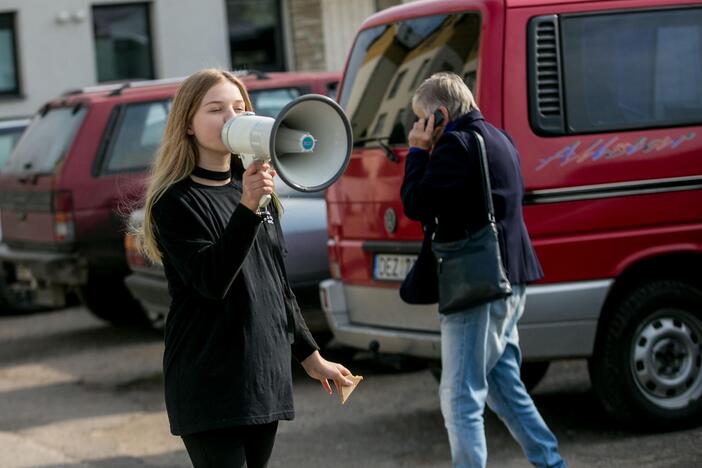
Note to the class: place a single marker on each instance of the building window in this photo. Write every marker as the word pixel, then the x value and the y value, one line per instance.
pixel 9 73
pixel 256 34
pixel 123 42
pixel 396 84
pixel 420 75
pixel 379 124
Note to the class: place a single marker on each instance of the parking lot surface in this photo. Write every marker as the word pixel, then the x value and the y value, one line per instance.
pixel 75 392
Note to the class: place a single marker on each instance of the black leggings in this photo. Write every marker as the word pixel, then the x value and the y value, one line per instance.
pixel 233 447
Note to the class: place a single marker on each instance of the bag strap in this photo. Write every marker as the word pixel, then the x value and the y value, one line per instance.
pixel 485 176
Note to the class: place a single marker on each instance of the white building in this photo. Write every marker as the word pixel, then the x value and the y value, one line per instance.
pixel 50 46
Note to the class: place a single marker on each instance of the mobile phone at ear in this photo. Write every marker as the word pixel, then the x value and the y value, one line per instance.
pixel 438 118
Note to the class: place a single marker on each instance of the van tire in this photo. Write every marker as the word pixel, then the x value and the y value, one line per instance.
pixel 647 364
pixel 110 300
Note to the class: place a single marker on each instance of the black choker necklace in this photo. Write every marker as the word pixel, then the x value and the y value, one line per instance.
pixel 203 173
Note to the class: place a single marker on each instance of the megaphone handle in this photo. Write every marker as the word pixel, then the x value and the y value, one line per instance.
pixel 264 201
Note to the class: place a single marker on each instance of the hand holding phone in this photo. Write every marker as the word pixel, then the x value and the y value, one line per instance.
pixel 421 137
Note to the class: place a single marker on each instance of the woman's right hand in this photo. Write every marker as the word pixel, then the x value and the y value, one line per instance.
pixel 257 182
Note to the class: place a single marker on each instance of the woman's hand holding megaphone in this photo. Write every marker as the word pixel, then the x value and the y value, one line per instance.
pixel 257 183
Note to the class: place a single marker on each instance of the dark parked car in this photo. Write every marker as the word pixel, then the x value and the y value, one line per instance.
pixel 10 132
pixel 74 177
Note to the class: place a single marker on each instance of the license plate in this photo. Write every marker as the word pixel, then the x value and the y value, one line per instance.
pixel 392 267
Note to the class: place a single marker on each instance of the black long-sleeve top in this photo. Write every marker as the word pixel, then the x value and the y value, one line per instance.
pixel 227 359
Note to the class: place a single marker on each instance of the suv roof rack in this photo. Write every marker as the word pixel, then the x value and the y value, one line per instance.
pixel 260 75
pixel 117 88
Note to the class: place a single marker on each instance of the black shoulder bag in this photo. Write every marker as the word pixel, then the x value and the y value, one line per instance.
pixel 470 270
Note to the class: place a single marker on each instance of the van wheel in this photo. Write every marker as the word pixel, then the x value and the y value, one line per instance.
pixel 647 364
pixel 110 300
pixel 531 372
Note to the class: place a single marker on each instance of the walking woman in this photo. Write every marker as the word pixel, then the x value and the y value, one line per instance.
pixel 233 321
pixel 480 354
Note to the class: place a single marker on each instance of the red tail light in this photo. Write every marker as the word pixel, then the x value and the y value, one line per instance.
pixel 64 229
pixel 134 255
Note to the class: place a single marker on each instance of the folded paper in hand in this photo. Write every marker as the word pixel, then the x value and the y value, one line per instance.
pixel 346 391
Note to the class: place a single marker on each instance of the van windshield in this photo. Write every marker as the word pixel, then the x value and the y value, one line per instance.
pixel 388 62
pixel 46 141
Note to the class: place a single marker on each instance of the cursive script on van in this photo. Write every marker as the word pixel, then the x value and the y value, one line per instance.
pixel 603 149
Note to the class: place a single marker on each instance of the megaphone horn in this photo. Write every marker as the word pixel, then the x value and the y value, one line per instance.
pixel 309 143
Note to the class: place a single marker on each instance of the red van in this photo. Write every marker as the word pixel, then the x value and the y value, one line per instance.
pixel 71 180
pixel 604 103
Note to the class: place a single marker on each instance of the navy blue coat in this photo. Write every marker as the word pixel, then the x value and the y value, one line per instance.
pixel 446 185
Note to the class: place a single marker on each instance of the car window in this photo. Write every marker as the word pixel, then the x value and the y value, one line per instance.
pixel 138 135
pixel 8 140
pixel 47 140
pixel 388 61
pixel 332 88
pixel 269 102
pixel 661 49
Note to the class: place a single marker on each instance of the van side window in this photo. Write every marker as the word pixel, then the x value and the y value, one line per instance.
pixel 624 71
pixel 137 137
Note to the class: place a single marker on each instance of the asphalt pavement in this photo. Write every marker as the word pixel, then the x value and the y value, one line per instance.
pixel 76 392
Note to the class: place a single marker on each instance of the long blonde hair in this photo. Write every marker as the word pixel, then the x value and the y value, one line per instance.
pixel 177 155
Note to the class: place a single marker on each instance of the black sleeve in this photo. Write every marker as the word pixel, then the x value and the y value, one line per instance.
pixel 207 263
pixel 303 342
pixel 431 181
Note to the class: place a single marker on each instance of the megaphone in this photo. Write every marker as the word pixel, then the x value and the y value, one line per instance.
pixel 309 143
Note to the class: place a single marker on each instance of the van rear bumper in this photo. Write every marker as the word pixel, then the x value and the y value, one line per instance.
pixel 50 267
pixel 560 320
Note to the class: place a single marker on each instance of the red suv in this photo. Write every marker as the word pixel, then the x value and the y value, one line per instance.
pixel 72 179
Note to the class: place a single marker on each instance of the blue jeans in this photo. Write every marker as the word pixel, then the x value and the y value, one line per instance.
pixel 480 360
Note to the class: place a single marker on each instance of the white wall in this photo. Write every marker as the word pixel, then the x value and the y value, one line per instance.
pixel 189 35
pixel 341 20
pixel 53 57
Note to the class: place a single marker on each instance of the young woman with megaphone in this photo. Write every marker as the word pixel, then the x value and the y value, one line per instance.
pixel 233 322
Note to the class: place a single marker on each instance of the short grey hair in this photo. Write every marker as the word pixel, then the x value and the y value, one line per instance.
pixel 444 89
